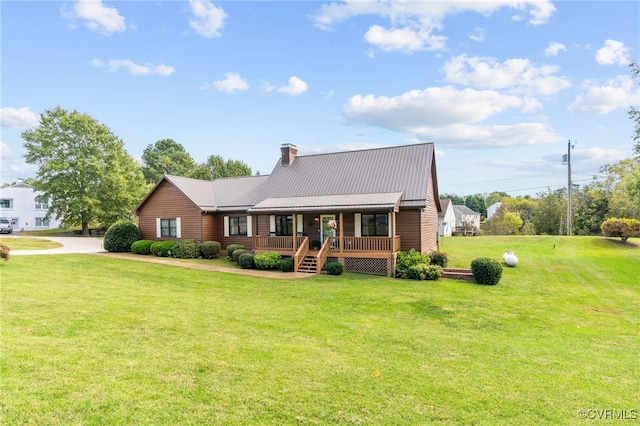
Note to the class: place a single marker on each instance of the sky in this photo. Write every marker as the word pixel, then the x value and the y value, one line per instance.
pixel 500 87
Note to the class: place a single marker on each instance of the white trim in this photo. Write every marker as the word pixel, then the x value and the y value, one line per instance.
pixel 249 226
pixel 357 219
pixel 389 224
pixel 272 224
pixel 226 226
pixel 178 228
pixel 300 224
pixel 158 228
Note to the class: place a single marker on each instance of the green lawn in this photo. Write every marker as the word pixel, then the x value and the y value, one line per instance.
pixel 96 340
pixel 29 243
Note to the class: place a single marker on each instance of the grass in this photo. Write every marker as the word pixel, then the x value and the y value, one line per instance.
pixel 29 243
pixel 96 340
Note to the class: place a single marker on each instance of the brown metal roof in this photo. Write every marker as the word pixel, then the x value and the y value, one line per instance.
pixel 342 202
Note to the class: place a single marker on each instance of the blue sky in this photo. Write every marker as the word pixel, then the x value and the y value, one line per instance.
pixel 498 86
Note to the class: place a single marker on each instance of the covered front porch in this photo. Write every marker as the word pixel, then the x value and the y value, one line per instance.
pixel 361 235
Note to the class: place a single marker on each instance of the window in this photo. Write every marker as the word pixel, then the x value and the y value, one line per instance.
pixel 375 225
pixel 42 205
pixel 238 226
pixel 284 225
pixel 42 222
pixel 6 203
pixel 168 228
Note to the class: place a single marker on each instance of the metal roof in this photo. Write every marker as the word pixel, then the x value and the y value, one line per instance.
pixel 342 202
pixel 404 169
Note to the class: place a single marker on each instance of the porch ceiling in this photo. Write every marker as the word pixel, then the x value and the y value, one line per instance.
pixel 342 202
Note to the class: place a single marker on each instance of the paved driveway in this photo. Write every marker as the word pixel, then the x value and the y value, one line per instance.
pixel 69 245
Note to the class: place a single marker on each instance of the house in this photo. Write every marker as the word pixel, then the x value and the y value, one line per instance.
pixel 467 221
pixel 21 203
pixel 493 208
pixel 356 207
pixel 446 218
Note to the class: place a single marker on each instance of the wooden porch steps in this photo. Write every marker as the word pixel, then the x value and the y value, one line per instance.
pixel 458 274
pixel 308 265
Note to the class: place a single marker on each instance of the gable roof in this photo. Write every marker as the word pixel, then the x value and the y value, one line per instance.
pixel 461 209
pixel 444 203
pixel 341 202
pixel 401 169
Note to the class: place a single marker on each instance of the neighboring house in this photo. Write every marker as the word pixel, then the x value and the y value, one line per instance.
pixel 492 209
pixel 357 207
pixel 27 212
pixel 467 221
pixel 446 218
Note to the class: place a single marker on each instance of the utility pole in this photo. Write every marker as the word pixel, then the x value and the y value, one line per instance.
pixel 566 159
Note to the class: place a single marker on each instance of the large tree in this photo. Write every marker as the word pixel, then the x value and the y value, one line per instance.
pixel 166 156
pixel 83 169
pixel 216 167
pixel 634 113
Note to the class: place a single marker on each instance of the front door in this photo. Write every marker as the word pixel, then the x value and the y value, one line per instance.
pixel 325 228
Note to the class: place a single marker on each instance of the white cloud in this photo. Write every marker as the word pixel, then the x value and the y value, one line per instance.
pixel 516 76
pixel 296 87
pixel 207 20
pixel 114 65
pixel 232 82
pixel 412 24
pixel 98 17
pixel 613 53
pixel 10 164
pixel 477 34
pixel 18 118
pixel 614 94
pixel 554 48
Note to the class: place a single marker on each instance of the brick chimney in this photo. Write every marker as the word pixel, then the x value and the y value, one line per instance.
pixel 289 152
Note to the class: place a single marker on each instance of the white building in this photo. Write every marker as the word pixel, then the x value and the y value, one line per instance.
pixel 446 218
pixel 492 209
pixel 20 203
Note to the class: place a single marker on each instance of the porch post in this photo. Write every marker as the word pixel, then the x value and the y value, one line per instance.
pixel 341 226
pixel 393 232
pixel 295 231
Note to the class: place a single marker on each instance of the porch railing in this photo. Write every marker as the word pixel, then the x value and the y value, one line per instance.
pixel 284 243
pixel 364 244
pixel 321 257
pixel 303 249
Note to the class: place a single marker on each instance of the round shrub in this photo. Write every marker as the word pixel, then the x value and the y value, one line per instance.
pixel 186 249
pixel 210 249
pixel 407 259
pixel 231 248
pixel 246 261
pixel 486 270
pixel 315 245
pixel 335 268
pixel 120 236
pixel 162 248
pixel 286 264
pixel 439 258
pixel 4 252
pixel 237 253
pixel 142 247
pixel 267 260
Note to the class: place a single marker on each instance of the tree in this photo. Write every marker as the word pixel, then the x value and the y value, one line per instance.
pixel 623 228
pixel 476 203
pixel 549 211
pixel 84 169
pixel 216 167
pixel 634 114
pixel 455 200
pixel 166 156
pixel 592 209
pixel 619 187
pixel 495 197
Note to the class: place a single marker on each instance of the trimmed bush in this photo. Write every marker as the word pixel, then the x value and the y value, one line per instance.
pixel 622 228
pixel 315 245
pixel 286 264
pixel 210 249
pixel 186 249
pixel 335 268
pixel 486 270
pixel 120 236
pixel 162 248
pixel 439 258
pixel 422 271
pixel 267 260
pixel 142 247
pixel 231 248
pixel 407 259
pixel 237 253
pixel 246 261
pixel 4 252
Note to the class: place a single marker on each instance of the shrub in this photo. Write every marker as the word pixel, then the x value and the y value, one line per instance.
pixel 267 260
pixel 286 264
pixel 186 249
pixel 4 252
pixel 231 248
pixel 246 261
pixel 120 236
pixel 162 248
pixel 315 245
pixel 237 253
pixel 407 259
pixel 210 249
pixel 439 258
pixel 422 271
pixel 486 270
pixel 142 247
pixel 623 228
pixel 335 268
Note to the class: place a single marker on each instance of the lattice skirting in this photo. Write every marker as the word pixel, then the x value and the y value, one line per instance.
pixel 363 265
